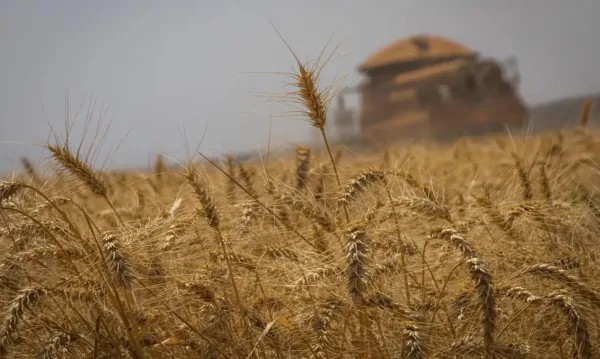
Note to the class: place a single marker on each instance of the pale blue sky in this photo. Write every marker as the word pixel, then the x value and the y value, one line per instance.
pixel 162 65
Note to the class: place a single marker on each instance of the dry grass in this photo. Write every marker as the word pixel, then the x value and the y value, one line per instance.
pixel 458 251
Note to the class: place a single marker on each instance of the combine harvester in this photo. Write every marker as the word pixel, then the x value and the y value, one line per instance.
pixel 428 87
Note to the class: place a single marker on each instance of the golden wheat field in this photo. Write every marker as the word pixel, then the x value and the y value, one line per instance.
pixel 479 249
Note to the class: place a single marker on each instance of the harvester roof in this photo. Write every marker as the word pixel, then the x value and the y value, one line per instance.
pixel 416 48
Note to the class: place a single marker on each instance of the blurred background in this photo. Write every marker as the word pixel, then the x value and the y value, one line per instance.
pixel 159 71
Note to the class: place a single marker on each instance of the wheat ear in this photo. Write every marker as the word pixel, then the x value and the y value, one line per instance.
pixel 79 169
pixel 356 272
pixel 584 116
pixel 212 217
pixel 258 202
pixel 82 171
pixel 482 279
pixel 577 325
pixel 524 177
pixel 28 166
pixel 413 182
pixel 485 292
pixel 230 183
pixel 564 277
pixel 160 167
pixel 58 341
pixel 8 189
pixel 302 166
pixel 117 261
pixel 545 183
pixel 358 184
pixel 247 178
pixel 322 326
pixel 412 343
pixel 22 302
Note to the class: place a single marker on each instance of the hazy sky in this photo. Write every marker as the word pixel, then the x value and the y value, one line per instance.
pixel 161 65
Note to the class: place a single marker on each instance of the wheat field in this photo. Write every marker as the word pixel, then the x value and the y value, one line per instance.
pixel 482 248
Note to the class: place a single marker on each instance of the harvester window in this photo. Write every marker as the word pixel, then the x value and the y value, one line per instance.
pixel 470 82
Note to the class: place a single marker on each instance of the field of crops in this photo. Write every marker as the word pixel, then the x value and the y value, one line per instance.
pixel 479 249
